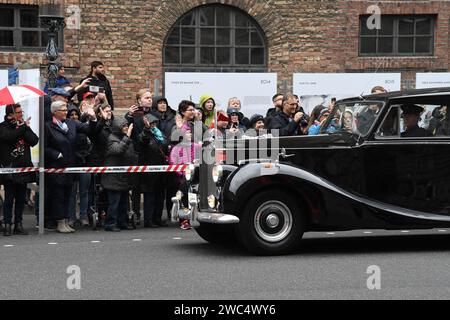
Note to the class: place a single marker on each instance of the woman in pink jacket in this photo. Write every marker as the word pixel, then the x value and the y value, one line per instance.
pixel 185 152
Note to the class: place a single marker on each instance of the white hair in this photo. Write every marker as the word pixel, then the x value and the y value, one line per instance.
pixel 57 105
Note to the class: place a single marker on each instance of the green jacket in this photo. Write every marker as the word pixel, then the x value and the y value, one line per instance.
pixel 208 117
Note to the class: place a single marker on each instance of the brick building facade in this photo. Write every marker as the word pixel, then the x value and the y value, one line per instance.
pixel 301 36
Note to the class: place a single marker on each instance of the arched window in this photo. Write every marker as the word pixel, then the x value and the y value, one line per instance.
pixel 215 38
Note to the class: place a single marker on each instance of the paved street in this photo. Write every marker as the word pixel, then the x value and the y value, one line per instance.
pixel 169 263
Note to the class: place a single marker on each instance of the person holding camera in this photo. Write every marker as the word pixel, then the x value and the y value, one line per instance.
pixel 136 113
pixel 135 116
pixel 98 83
pixel 287 122
pixel 236 128
pixel 153 148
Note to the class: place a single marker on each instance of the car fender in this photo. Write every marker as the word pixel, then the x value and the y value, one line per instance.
pixel 319 196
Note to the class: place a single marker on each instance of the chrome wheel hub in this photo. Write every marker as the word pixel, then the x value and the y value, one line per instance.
pixel 273 221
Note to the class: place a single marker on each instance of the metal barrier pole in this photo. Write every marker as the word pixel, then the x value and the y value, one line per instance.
pixel 41 165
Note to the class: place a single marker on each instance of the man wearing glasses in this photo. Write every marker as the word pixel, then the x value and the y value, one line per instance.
pixel 287 121
pixel 60 142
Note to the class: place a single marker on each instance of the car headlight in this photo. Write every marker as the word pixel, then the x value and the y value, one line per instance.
pixel 212 201
pixel 217 172
pixel 189 172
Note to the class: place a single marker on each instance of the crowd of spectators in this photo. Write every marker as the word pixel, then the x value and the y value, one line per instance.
pixel 87 132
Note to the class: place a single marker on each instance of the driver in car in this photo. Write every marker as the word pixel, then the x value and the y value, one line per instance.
pixel 411 117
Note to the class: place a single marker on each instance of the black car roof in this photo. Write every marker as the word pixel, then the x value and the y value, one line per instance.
pixel 400 94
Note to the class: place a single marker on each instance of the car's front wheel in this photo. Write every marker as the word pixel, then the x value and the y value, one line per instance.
pixel 271 224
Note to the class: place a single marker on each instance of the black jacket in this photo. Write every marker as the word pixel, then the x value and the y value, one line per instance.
pixel 415 132
pixel 138 127
pixel 99 139
pixel 271 113
pixel 83 145
pixel 100 81
pixel 119 152
pixel 152 152
pixel 285 125
pixel 59 142
pixel 166 119
pixel 15 143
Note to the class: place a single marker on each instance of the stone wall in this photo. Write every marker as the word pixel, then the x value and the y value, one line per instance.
pixel 302 36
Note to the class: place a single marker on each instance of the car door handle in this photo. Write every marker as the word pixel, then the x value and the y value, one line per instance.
pixel 284 155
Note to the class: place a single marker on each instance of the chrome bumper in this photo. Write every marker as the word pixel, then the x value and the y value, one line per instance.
pixel 195 216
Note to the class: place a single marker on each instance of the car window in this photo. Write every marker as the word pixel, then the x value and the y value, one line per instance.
pixel 391 124
pixel 436 120
pixel 357 117
pixel 429 120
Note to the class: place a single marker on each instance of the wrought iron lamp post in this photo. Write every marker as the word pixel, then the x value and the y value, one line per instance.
pixel 51 17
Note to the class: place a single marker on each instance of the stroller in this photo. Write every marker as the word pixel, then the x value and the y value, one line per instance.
pixel 98 204
pixel 98 209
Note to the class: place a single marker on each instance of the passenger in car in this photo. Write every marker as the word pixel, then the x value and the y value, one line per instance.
pixel 444 127
pixel 439 121
pixel 411 117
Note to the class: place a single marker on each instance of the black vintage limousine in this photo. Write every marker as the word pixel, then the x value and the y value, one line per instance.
pixel 363 171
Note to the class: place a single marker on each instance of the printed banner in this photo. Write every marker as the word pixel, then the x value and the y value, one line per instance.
pixel 432 80
pixel 319 88
pixel 255 90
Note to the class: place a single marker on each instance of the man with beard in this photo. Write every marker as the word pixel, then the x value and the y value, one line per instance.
pixel 98 79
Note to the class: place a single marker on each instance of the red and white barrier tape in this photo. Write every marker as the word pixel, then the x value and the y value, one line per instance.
pixel 129 169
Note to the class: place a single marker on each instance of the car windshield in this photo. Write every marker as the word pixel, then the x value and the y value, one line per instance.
pixel 354 117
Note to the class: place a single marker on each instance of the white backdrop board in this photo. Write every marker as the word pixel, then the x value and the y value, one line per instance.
pixel 30 107
pixel 3 79
pixel 255 90
pixel 318 88
pixel 432 80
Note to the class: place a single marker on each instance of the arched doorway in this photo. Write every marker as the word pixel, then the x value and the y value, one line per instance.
pixel 215 38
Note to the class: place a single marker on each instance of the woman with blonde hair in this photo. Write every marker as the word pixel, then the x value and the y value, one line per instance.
pixel 142 107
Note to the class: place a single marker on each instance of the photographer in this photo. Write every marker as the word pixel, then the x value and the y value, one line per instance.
pixel 236 129
pixel 135 116
pixel 98 83
pixel 288 121
pixel 153 151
